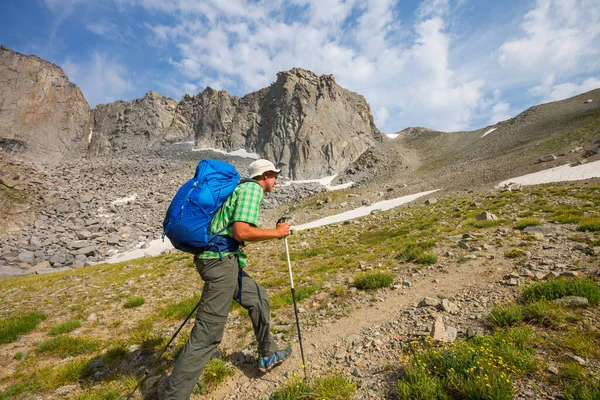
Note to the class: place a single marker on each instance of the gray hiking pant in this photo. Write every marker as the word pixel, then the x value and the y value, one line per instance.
pixel 221 286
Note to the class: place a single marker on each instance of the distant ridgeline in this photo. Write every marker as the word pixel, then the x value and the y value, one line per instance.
pixel 307 124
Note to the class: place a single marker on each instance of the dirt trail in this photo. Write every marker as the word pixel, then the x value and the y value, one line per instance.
pixel 328 341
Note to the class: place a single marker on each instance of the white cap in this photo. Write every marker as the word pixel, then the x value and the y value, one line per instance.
pixel 259 167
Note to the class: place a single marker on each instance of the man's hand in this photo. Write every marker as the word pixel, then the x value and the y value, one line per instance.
pixel 283 228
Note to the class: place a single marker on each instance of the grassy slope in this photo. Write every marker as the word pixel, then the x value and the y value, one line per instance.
pixel 99 354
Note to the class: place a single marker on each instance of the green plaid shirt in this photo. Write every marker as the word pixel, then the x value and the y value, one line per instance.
pixel 243 205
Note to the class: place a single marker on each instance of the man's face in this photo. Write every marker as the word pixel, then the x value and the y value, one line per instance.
pixel 270 181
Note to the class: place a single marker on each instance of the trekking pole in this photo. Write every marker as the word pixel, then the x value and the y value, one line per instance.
pixel 146 370
pixel 287 252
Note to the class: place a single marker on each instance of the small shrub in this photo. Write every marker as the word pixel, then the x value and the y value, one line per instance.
pixel 115 355
pixel 556 289
pixel 416 252
pixel 66 346
pixel 12 327
pixel 65 327
pixel 503 316
pixel 215 372
pixel 572 372
pixel 134 302
pixel 373 280
pixel 543 313
pixel 525 222
pixel 589 224
pixel 295 389
pixel 514 253
pixel 333 387
pixel 485 223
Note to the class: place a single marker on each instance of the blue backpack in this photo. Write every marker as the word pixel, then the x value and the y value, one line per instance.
pixel 191 211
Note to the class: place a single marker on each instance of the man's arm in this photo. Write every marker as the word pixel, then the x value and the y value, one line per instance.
pixel 244 232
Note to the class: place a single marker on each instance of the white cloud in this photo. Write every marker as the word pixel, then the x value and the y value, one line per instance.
pixel 500 112
pixel 559 36
pixel 554 92
pixel 100 79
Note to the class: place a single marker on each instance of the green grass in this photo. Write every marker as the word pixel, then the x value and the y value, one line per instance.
pixel 415 252
pixel 515 253
pixel 284 298
pixel 65 346
pixel 480 368
pixel 215 372
pixel 525 222
pixel 20 325
pixel 181 309
pixel 373 280
pixel 334 387
pixel 134 302
pixel 504 316
pixel 295 389
pixel 65 327
pixel 589 224
pixel 558 288
pixel 484 224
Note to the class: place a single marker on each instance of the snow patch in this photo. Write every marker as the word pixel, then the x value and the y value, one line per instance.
pixel 362 211
pixel 557 174
pixel 489 131
pixel 155 247
pixel 124 200
pixel 392 135
pixel 190 142
pixel 90 135
pixel 323 181
pixel 238 153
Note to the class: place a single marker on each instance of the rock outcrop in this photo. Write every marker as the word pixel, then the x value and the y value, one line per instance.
pixel 136 125
pixel 43 116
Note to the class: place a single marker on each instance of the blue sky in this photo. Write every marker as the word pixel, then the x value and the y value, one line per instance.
pixel 443 64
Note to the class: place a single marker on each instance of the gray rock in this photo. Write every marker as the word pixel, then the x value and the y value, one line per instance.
pixel 448 306
pixel 88 251
pixel 431 200
pixel 65 389
pixel 486 216
pixel 429 302
pixel 547 157
pixel 573 301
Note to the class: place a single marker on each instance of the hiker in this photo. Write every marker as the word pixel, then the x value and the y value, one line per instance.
pixel 225 280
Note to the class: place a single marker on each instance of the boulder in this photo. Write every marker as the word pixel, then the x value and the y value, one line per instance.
pixel 486 216
pixel 547 158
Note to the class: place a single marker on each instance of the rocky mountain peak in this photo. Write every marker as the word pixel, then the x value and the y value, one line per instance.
pixel 304 122
pixel 44 116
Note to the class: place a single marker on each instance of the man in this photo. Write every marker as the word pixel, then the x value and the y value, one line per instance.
pixel 225 280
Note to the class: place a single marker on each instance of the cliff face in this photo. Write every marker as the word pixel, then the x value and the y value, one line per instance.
pixel 305 123
pixel 136 125
pixel 311 125
pixel 43 116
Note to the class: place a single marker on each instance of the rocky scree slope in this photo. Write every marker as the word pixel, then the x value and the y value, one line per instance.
pixel 83 211
pixel 305 123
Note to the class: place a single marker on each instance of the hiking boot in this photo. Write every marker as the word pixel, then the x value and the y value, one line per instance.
pixel 266 364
